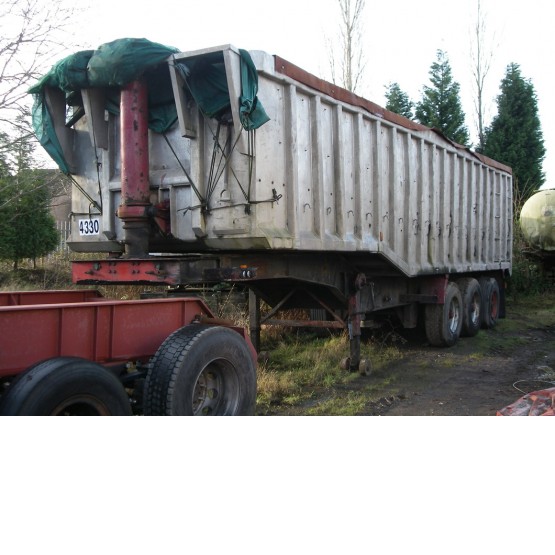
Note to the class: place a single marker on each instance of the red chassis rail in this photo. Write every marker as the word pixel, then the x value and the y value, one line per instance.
pixel 104 331
pixel 17 298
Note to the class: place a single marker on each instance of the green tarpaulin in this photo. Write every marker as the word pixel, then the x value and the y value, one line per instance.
pixel 206 79
pixel 119 62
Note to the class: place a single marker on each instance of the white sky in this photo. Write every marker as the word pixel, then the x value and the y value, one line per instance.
pixel 401 39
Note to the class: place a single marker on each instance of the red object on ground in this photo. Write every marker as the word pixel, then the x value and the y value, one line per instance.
pixel 537 403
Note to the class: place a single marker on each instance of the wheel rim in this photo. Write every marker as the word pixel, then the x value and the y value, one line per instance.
pixel 494 305
pixel 454 315
pixel 80 405
pixel 475 310
pixel 216 390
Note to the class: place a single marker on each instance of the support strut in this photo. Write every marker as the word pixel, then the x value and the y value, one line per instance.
pixel 135 186
pixel 356 364
pixel 254 319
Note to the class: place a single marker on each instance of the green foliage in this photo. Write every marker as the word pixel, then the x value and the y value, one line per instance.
pixel 4 164
pixel 398 101
pixel 528 275
pixel 27 229
pixel 515 137
pixel 441 106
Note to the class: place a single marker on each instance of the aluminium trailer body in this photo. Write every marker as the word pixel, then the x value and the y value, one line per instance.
pixel 321 200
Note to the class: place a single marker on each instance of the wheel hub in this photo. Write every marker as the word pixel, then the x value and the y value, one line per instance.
pixel 207 394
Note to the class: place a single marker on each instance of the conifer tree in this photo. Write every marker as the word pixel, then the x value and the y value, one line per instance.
pixel 398 101
pixel 27 229
pixel 4 163
pixel 441 106
pixel 515 136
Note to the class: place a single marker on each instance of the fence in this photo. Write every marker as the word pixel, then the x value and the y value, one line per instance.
pixel 64 229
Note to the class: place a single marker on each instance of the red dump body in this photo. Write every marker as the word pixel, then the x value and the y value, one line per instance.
pixel 38 325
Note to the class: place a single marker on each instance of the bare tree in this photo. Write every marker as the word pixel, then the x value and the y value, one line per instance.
pixel 347 65
pixel 33 33
pixel 481 52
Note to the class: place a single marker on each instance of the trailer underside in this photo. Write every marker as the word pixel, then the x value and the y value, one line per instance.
pixel 342 291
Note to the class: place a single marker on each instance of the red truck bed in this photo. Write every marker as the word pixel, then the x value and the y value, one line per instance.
pixel 35 326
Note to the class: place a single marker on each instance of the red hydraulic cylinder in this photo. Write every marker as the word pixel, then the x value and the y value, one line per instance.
pixel 135 185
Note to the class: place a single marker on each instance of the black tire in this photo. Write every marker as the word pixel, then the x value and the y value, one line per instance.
pixel 65 386
pixel 491 301
pixel 443 322
pixel 471 293
pixel 201 370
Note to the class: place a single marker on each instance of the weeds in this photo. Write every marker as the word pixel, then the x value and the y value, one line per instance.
pixel 301 364
pixel 528 276
pixel 354 402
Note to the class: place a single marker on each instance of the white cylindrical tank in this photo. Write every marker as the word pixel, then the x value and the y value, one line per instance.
pixel 537 220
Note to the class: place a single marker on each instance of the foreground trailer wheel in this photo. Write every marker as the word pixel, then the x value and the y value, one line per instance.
pixel 471 293
pixel 66 386
pixel 444 322
pixel 491 300
pixel 201 370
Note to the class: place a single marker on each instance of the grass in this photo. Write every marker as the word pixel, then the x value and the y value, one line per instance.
pixel 302 366
pixel 352 403
pixel 541 306
pixel 293 371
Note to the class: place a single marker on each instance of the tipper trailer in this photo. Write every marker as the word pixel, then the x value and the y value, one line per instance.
pixel 221 165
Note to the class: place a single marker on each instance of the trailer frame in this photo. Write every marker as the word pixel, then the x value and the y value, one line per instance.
pixel 70 339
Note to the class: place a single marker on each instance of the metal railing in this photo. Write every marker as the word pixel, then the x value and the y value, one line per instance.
pixel 64 229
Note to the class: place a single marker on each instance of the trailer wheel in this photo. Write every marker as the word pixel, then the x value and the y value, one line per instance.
pixel 65 386
pixel 201 370
pixel 491 300
pixel 471 293
pixel 444 321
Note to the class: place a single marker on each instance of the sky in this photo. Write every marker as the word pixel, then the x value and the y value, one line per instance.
pixel 400 40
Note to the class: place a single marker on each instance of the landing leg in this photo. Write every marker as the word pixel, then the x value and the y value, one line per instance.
pixel 353 325
pixel 254 319
pixel 356 364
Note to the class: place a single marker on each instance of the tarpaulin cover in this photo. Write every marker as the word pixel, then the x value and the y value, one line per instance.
pixel 69 74
pixel 252 113
pixel 206 79
pixel 119 62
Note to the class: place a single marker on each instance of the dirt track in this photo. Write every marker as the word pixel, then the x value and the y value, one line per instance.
pixel 479 375
pixel 461 385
